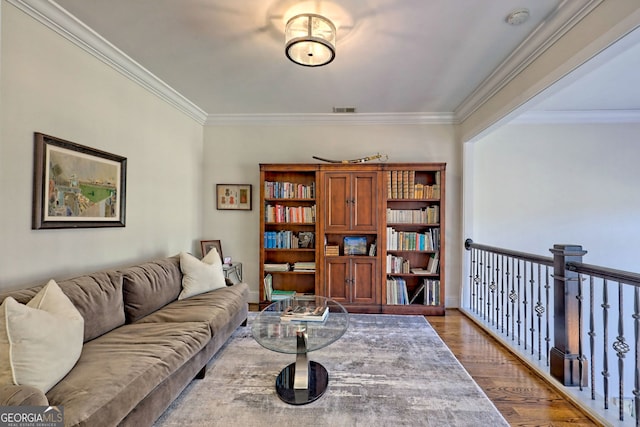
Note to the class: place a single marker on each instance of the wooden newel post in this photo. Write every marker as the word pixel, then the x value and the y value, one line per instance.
pixel 564 357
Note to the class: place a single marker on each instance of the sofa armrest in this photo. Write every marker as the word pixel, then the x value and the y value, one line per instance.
pixel 21 395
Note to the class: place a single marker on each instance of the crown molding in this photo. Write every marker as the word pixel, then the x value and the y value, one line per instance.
pixel 50 14
pixel 578 117
pixel 331 119
pixel 562 19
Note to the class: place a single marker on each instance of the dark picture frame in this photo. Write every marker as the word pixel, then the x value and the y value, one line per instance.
pixel 75 186
pixel 206 245
pixel 233 197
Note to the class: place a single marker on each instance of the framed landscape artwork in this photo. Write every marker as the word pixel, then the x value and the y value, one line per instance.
pixel 75 186
pixel 233 196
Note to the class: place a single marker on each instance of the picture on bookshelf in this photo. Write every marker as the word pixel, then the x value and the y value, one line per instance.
pixel 306 239
pixel 355 245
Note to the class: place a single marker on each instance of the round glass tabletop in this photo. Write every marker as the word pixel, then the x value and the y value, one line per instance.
pixel 277 331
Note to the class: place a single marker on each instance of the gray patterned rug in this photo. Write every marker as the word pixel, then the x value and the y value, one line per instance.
pixel 385 371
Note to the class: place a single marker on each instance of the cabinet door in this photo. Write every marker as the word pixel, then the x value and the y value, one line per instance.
pixel 364 279
pixel 351 201
pixel 338 279
pixel 364 201
pixel 338 194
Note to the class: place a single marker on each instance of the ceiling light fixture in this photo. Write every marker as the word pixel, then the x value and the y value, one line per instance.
pixel 517 17
pixel 310 40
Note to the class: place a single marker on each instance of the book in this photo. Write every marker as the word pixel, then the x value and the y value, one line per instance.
pixel 305 314
pixel 421 289
pixel 268 287
pixel 279 295
pixel 420 271
pixel 276 267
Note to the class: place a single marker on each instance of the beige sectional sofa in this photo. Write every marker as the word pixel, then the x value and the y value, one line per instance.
pixel 142 345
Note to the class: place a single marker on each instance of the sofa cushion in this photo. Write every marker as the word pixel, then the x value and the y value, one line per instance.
pixel 98 297
pixel 39 342
pixel 215 307
pixel 117 370
pixel 200 276
pixel 150 286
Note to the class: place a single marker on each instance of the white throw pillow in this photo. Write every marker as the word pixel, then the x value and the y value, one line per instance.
pixel 39 342
pixel 199 276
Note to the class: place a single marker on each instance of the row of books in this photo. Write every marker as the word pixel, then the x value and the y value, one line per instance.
pixel 428 215
pixel 305 313
pixel 427 293
pixel 401 184
pixel 397 291
pixel 430 290
pixel 412 240
pixel 276 266
pixel 289 190
pixel 287 239
pixel 293 214
pixel 304 266
pixel 271 294
pixel 397 265
pixel 401 265
pixel 285 266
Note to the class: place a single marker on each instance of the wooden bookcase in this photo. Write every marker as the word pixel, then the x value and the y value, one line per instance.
pixel 370 207
pixel 414 238
pixel 288 207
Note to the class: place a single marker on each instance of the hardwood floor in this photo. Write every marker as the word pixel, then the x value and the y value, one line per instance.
pixel 522 397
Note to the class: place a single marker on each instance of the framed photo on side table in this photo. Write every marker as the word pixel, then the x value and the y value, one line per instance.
pixel 233 197
pixel 206 245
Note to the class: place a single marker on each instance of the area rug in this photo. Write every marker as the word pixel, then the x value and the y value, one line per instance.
pixel 386 370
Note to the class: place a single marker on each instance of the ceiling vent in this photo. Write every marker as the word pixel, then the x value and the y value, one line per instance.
pixel 344 109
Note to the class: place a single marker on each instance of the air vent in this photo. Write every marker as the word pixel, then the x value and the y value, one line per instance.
pixel 344 109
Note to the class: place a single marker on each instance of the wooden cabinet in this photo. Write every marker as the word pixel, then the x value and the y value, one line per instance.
pixel 351 201
pixel 352 211
pixel 393 211
pixel 349 280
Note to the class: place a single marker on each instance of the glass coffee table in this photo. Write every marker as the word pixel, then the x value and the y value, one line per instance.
pixel 303 381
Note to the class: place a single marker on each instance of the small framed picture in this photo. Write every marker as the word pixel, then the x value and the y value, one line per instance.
pixel 206 245
pixel 233 196
pixel 355 245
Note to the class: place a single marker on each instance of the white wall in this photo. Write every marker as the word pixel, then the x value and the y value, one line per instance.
pixel 536 185
pixel 232 155
pixel 49 85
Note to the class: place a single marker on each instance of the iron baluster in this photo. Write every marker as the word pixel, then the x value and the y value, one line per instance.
pixel 519 320
pixel 592 338
pixel 636 333
pixel 502 295
pixel 605 357
pixel 548 321
pixel 524 305
pixel 532 329
pixel 580 353
pixel 621 348
pixel 539 311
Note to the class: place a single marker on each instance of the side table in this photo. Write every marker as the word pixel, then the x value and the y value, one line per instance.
pixel 303 381
pixel 233 271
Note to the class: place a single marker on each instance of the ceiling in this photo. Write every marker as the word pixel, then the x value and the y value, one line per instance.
pixel 435 57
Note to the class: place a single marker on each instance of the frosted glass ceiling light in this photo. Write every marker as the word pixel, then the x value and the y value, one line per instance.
pixel 310 40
